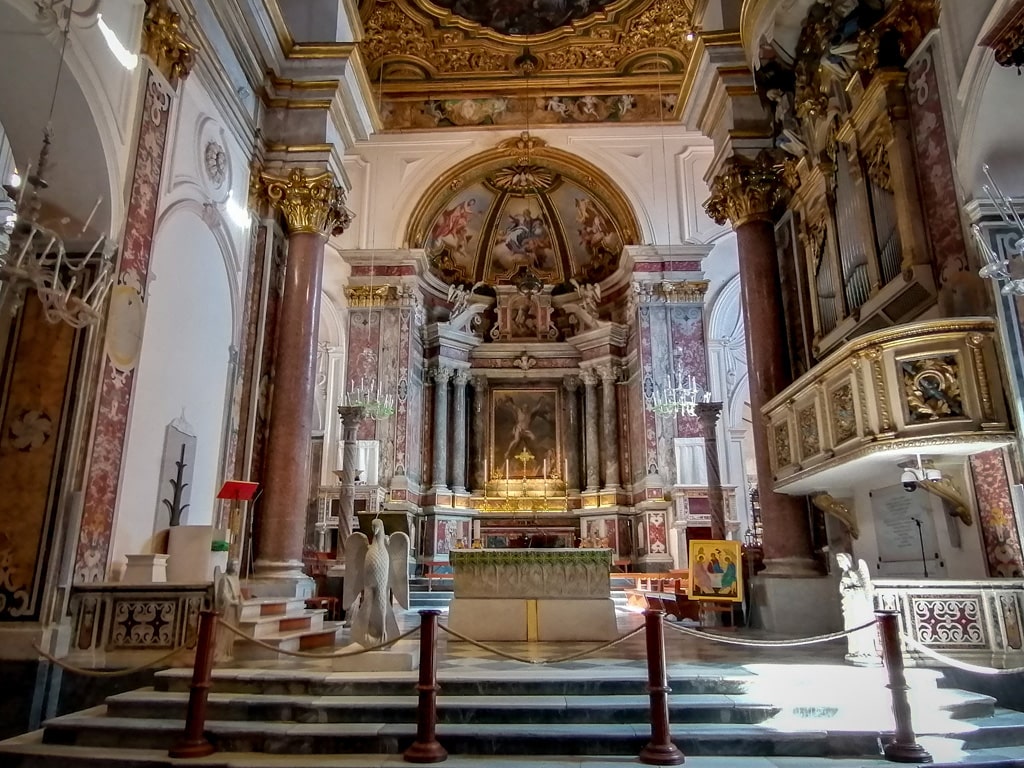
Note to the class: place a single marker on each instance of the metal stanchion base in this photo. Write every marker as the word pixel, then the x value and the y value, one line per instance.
pixel 425 752
pixel 906 753
pixel 661 754
pixel 197 748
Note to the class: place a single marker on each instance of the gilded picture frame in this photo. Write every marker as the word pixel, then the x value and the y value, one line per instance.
pixel 716 571
pixel 525 422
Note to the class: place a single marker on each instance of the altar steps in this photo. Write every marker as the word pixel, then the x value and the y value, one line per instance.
pixel 284 623
pixel 255 713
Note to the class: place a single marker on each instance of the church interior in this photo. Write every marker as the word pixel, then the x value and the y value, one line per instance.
pixel 573 309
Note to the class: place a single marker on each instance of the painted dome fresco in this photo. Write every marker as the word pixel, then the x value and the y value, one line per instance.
pixel 522 17
pixel 547 211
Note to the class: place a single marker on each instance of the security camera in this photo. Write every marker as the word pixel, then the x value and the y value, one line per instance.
pixel 909 480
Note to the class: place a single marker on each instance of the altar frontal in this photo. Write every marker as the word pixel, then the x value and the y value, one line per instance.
pixel 533 594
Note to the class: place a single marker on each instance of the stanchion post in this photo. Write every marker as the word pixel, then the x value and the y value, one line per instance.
pixel 659 750
pixel 904 747
pixel 193 743
pixel 426 748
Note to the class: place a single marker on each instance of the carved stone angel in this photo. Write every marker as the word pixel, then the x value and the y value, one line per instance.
pixel 858 595
pixel 374 573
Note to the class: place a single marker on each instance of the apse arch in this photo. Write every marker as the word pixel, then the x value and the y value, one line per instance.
pixel 522 204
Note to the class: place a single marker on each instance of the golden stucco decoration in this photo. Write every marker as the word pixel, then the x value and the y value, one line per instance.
pixel 747 190
pixel 309 204
pixel 164 42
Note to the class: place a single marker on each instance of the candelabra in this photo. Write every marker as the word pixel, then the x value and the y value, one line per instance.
pixel 366 395
pixel 997 268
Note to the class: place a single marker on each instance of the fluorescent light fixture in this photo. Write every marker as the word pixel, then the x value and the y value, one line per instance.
pixel 126 58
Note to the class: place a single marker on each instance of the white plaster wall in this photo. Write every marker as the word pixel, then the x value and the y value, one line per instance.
pixel 659 170
pixel 192 317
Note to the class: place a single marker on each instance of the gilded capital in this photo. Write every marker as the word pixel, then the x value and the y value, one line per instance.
pixel 746 190
pixel 164 42
pixel 311 204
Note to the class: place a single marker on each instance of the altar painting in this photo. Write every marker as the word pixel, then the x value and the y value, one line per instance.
pixel 524 433
pixel 716 571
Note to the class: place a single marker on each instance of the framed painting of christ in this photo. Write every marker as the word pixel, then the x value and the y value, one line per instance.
pixel 716 571
pixel 525 433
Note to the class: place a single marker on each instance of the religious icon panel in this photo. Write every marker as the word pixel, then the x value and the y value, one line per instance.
pixel 716 571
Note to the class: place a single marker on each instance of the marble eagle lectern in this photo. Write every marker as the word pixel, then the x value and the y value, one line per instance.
pixel 373 574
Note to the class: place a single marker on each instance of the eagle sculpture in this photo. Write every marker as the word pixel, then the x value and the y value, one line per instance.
pixel 373 574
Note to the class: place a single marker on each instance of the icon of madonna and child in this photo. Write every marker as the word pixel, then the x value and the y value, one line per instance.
pixel 715 572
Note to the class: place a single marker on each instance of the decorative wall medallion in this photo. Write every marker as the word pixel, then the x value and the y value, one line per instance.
pixel 783 452
pixel 30 430
pixel 215 161
pixel 124 326
pixel 844 418
pixel 948 622
pixel 807 421
pixel 931 387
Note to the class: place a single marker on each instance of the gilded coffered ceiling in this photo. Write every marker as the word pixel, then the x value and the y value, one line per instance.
pixel 450 63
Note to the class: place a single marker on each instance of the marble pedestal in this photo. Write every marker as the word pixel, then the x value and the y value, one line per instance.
pixel 533 620
pixel 401 657
pixel 795 606
pixel 145 569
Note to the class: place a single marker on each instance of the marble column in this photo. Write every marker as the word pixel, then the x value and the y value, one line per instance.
pixel 572 434
pixel 351 416
pixel 460 434
pixel 480 385
pixel 313 207
pixel 591 416
pixel 708 414
pixel 610 425
pixel 440 470
pixel 745 194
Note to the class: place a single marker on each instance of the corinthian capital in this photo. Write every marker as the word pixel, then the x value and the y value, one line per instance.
pixel 746 190
pixel 313 204
pixel 171 52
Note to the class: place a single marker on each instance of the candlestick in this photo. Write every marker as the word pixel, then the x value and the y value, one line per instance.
pixel 506 478
pixel 545 470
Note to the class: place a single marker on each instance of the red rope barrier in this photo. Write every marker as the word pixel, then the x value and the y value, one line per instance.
pixel 426 748
pixel 659 750
pixel 193 743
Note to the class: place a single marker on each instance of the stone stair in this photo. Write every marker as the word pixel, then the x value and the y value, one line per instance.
pixel 284 623
pixel 255 713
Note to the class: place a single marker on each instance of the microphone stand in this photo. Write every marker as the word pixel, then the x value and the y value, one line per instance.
pixel 920 537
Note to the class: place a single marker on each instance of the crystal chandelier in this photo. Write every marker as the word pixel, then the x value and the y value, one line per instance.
pixel 376 404
pixel 71 287
pixel 681 400
pixel 997 268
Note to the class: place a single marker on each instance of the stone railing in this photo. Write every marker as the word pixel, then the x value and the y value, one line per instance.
pixel 910 388
pixel 115 624
pixel 980 622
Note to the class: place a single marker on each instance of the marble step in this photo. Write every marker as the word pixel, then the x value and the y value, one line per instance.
pixel 255 607
pixel 29 752
pixel 265 626
pixel 325 637
pixel 451 709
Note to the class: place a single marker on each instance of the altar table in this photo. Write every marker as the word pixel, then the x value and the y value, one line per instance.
pixel 532 594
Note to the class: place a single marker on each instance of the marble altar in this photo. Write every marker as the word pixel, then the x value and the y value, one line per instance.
pixel 532 594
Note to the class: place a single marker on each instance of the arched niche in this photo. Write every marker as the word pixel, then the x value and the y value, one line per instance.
pixel 523 204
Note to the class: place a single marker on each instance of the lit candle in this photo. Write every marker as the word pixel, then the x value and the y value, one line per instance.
pixel 545 470
pixel 506 478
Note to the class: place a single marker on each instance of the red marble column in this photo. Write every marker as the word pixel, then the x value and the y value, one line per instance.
pixel 787 543
pixel 745 193
pixel 312 207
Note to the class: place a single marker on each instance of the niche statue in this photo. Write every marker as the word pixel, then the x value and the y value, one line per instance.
pixel 373 574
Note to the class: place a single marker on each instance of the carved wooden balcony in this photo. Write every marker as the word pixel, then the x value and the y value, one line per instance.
pixel 931 387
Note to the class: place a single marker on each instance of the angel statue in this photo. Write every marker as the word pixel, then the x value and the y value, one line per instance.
pixel 373 574
pixel 858 609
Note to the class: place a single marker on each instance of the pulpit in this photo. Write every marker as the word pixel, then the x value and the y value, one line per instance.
pixel 533 594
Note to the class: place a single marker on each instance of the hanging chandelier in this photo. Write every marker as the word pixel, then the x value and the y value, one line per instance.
pixel 681 399
pixel 997 268
pixel 72 287
pixel 366 395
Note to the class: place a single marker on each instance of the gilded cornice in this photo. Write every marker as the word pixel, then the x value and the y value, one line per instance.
pixel 627 49
pixel 309 204
pixel 747 190
pixel 164 42
pixel 1006 38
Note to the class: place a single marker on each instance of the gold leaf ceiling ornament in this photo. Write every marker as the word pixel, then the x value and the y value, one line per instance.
pixel 437 69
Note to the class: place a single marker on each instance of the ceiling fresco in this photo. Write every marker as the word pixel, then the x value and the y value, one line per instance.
pixel 522 17
pixel 488 219
pixel 448 64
